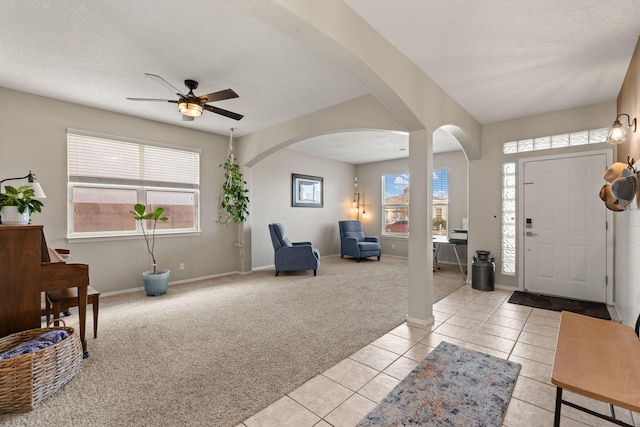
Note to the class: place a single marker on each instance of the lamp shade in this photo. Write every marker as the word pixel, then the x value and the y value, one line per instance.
pixel 37 189
pixel 190 109
pixel 617 134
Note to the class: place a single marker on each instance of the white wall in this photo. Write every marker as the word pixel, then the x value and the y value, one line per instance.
pixel 485 175
pixel 35 139
pixel 271 202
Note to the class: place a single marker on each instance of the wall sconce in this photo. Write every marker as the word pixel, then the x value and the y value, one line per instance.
pixel 37 188
pixel 357 204
pixel 617 134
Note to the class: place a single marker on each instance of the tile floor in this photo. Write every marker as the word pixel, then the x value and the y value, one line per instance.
pixel 483 321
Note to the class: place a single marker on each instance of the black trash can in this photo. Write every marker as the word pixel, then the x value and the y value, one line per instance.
pixel 482 271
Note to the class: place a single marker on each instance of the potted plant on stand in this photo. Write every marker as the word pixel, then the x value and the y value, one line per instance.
pixel 17 204
pixel 156 282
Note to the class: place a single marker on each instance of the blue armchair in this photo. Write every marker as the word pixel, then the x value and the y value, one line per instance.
pixel 354 243
pixel 288 256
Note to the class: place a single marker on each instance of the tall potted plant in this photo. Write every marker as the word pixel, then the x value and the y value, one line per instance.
pixel 156 282
pixel 17 204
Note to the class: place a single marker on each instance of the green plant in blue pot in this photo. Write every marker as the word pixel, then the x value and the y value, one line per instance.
pixel 156 282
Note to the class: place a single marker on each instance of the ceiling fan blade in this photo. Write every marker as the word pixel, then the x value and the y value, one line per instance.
pixel 186 118
pixel 218 96
pixel 230 114
pixel 164 83
pixel 153 99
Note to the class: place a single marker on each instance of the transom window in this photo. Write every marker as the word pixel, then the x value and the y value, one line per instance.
pixel 108 176
pixel 584 137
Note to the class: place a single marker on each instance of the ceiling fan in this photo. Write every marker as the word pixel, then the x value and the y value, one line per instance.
pixel 190 105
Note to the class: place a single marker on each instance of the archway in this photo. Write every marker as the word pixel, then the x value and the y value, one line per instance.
pixel 413 98
pixel 271 169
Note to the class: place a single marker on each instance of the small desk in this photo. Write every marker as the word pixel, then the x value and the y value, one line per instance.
pixel 598 359
pixel 444 241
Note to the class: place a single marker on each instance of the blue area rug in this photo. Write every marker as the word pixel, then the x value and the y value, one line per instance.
pixel 453 386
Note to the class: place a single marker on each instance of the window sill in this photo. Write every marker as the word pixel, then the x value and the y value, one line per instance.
pixel 394 236
pixel 111 237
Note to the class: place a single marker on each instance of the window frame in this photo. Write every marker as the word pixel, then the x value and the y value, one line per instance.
pixel 385 205
pixel 435 205
pixel 140 186
pixel 440 203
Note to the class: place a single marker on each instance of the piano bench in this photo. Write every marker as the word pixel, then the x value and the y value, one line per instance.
pixel 62 300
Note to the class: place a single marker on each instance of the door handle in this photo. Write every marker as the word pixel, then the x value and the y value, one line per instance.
pixel 530 234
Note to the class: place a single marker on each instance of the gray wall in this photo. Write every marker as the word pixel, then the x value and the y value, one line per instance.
pixel 271 201
pixel 36 141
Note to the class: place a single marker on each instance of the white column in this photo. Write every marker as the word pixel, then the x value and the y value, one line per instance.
pixel 420 229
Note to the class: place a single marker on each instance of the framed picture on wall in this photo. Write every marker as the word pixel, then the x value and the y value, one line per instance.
pixel 306 191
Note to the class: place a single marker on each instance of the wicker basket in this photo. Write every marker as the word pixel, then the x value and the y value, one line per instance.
pixel 28 379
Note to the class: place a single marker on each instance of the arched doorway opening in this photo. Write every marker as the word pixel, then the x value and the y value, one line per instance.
pixel 349 161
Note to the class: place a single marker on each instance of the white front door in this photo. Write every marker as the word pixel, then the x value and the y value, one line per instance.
pixel 565 227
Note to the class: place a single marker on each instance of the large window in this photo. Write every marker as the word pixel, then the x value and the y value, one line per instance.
pixel 395 207
pixel 395 204
pixel 440 197
pixel 107 176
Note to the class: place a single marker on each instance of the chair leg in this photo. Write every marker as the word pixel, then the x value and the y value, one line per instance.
pixel 48 309
pixel 55 313
pixel 277 272
pixel 95 305
pixel 314 272
pixel 341 255
pixel 358 259
pixel 378 257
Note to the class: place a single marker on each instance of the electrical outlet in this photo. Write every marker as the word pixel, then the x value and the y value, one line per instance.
pixel 181 266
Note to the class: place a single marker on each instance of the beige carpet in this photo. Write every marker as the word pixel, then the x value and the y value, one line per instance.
pixel 214 352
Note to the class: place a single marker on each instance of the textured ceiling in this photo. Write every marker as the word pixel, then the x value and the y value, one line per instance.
pixel 498 62
pixel 503 60
pixel 96 53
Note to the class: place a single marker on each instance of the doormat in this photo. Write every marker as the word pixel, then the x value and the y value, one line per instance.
pixel 588 308
pixel 452 386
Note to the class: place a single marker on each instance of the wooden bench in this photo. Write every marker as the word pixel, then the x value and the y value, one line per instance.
pixel 599 359
pixel 61 300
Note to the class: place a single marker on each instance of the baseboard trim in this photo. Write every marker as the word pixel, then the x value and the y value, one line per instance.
pixel 176 282
pixel 420 322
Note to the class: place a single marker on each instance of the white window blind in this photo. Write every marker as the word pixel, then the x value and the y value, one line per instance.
pixel 109 160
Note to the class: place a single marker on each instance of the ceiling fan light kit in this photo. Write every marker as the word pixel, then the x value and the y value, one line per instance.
pixel 191 109
pixel 190 105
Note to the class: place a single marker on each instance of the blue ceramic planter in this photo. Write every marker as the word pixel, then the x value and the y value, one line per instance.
pixel 156 284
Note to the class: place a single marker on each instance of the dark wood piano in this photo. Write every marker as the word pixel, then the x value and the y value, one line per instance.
pixel 27 268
